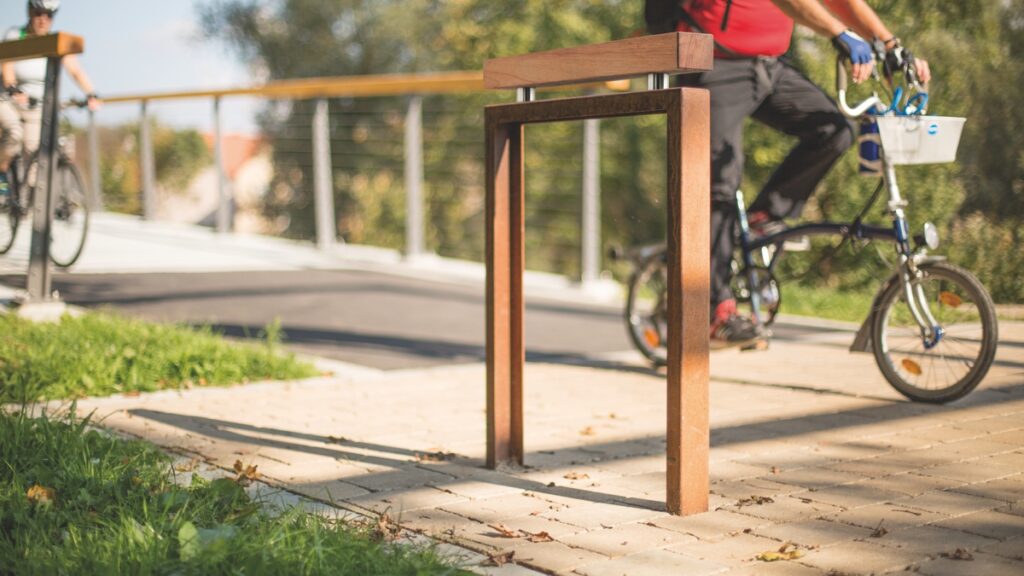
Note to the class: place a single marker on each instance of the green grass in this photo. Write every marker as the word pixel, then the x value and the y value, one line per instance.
pixel 829 303
pixel 102 354
pixel 76 501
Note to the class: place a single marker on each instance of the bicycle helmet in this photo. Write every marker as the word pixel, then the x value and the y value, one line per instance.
pixel 48 5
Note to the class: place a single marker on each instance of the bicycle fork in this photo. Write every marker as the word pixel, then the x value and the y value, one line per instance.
pixel 910 274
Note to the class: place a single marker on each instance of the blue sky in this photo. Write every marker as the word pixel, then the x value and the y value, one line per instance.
pixel 134 46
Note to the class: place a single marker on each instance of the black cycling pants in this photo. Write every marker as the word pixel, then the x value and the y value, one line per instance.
pixel 773 93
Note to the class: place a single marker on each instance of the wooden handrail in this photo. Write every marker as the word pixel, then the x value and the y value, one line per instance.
pixel 370 85
pixel 51 45
pixel 672 53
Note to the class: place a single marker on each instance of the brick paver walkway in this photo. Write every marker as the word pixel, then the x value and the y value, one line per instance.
pixel 812 454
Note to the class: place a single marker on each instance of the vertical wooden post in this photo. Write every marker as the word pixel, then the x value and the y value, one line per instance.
pixel 39 281
pixel 505 352
pixel 689 210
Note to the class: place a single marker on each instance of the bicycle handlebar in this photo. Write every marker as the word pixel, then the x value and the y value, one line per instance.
pixel 841 85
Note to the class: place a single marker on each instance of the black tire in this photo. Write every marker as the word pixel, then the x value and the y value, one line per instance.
pixel 10 214
pixel 959 361
pixel 70 215
pixel 646 312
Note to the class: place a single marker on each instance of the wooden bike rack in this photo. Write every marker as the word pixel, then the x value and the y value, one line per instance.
pixel 688 252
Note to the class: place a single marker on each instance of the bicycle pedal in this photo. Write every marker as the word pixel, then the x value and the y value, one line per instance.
pixel 756 346
pixel 801 244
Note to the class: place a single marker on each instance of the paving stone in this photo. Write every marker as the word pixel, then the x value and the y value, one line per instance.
pixel 819 477
pixel 933 540
pixel 626 539
pixel 537 524
pixel 869 468
pixel 859 558
pixel 742 489
pixel 913 484
pixel 554 556
pixel 1012 549
pixel 949 503
pixel 1004 423
pixel 980 564
pixel 495 509
pixel 852 495
pixel 395 479
pixel 989 523
pixel 739 548
pixel 653 563
pixel 712 525
pixel 1014 438
pixel 599 515
pixel 813 532
pixel 782 568
pixel 401 501
pixel 1008 489
pixel 788 509
pixel 889 516
pixel 433 522
pixel 329 491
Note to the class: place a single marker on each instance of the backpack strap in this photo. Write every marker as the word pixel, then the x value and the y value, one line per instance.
pixel 692 24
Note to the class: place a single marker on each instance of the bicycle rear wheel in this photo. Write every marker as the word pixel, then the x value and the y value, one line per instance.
pixel 70 216
pixel 647 309
pixel 954 365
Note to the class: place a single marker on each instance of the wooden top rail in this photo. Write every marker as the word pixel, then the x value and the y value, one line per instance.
pixel 672 53
pixel 370 85
pixel 51 45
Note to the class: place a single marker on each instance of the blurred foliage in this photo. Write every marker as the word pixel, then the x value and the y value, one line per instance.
pixel 178 156
pixel 978 202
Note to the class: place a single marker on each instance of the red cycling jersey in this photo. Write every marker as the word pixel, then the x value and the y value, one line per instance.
pixel 753 27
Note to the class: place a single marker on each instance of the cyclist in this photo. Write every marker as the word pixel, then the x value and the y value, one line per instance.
pixel 10 143
pixel 750 80
pixel 24 80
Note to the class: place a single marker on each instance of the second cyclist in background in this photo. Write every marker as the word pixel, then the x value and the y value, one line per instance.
pixel 24 80
pixel 750 80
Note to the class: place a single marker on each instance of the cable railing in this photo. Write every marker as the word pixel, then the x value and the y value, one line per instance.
pixel 388 160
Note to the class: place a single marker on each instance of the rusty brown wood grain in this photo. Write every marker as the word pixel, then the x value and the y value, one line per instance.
pixel 672 53
pixel 51 45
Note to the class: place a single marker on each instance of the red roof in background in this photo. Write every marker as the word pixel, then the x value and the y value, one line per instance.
pixel 237 150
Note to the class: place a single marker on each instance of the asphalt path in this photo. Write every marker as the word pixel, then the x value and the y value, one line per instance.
pixel 371 319
pixel 367 318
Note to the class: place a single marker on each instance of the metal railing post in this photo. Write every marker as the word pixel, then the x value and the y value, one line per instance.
pixel 40 273
pixel 223 194
pixel 96 179
pixel 590 228
pixel 414 237
pixel 323 193
pixel 148 166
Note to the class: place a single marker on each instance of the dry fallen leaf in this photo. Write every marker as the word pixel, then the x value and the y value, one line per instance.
pixel 434 456
pixel 576 476
pixel 538 537
pixel 499 558
pixel 41 494
pixel 879 530
pixel 504 531
pixel 588 431
pixel 337 439
pixel 245 473
pixel 385 529
pixel 958 554
pixel 754 500
pixel 783 553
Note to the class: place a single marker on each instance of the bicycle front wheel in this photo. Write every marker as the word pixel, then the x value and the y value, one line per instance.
pixel 647 309
pixel 9 213
pixel 942 371
pixel 70 216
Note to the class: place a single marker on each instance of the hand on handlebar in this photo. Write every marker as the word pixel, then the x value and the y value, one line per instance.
pixel 858 52
pixel 900 59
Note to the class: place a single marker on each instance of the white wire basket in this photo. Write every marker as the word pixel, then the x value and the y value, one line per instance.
pixel 920 139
